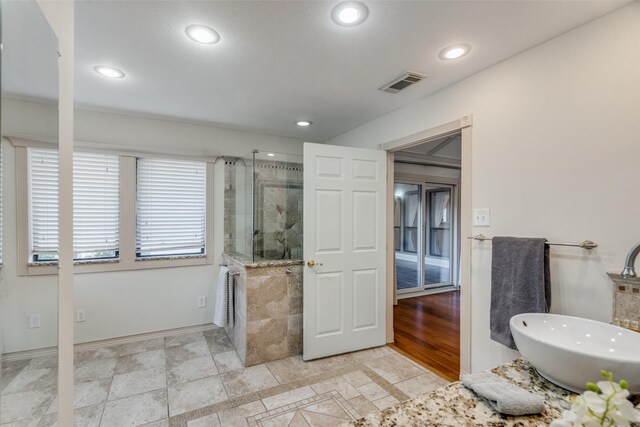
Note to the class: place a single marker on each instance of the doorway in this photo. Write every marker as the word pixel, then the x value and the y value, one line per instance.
pixel 429 314
pixel 425 228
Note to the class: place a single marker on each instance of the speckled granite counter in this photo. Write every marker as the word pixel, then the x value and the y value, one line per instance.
pixel 455 405
pixel 247 262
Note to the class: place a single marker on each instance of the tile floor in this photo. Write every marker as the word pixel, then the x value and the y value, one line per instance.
pixel 197 380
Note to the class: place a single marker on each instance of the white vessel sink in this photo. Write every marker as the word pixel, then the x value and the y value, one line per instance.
pixel 571 351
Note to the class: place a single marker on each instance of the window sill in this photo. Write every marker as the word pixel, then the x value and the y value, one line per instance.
pixel 114 265
pixel 169 257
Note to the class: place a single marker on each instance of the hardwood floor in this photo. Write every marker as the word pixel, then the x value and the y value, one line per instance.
pixel 427 329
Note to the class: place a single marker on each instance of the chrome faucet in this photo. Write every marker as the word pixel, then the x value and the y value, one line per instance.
pixel 629 271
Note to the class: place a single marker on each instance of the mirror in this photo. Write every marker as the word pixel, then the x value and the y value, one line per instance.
pixel 28 292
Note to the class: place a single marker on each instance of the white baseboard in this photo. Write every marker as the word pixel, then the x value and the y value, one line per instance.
pixel 94 345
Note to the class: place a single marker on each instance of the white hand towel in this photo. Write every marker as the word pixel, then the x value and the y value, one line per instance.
pixel 223 315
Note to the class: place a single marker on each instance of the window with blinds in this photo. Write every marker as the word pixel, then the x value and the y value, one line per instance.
pixel 96 206
pixel 170 209
pixel 43 208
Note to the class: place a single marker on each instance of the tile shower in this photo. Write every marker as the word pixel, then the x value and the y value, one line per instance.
pixel 263 243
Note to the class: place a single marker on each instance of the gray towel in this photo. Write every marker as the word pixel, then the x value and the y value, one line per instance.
pixel 519 283
pixel 503 396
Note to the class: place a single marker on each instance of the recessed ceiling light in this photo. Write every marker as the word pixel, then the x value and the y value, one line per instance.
pixel 455 52
pixel 270 154
pixel 303 123
pixel 349 13
pixel 202 34
pixel 110 72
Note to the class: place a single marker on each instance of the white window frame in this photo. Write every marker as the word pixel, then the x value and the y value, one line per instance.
pixel 127 259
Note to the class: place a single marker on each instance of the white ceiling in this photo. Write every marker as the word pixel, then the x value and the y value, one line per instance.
pixel 279 62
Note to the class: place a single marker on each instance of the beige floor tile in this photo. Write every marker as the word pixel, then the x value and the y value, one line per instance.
pixel 141 361
pixel 140 346
pixel 136 410
pixel 161 423
pixel 88 416
pixel 293 368
pixel 183 339
pixel 394 368
pixel 95 369
pixel 420 385
pixel 32 422
pixel 25 405
pixel 339 384
pixel 357 378
pixel 137 382
pixel 373 353
pixel 32 379
pixel 180 353
pixel 372 391
pixel 288 397
pixel 218 341
pixel 241 382
pixel 195 394
pixel 362 406
pixel 237 417
pixel 191 369
pixel 100 353
pixel 88 393
pixel 10 370
pixel 208 421
pixel 227 361
pixel 385 402
pixel 43 362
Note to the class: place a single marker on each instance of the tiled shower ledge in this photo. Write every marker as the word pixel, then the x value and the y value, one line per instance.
pixel 249 263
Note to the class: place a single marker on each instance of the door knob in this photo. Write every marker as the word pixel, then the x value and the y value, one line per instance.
pixel 311 263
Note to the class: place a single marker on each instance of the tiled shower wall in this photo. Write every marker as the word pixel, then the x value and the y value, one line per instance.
pixel 268 311
pixel 290 173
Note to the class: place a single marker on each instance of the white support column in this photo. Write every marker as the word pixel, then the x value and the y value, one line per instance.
pixel 60 15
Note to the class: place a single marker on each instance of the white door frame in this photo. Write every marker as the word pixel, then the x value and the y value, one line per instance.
pixel 464 126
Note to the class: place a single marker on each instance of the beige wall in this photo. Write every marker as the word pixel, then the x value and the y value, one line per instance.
pixel 556 149
pixel 128 302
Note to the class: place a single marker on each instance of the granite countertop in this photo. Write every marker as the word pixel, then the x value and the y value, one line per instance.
pixel 247 262
pixel 455 405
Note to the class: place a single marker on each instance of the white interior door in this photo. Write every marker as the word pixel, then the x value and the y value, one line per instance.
pixel 344 249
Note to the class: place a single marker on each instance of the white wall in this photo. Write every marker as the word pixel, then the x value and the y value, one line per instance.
pixel 128 302
pixel 556 153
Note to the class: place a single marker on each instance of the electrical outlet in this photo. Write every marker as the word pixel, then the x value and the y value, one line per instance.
pixel 81 315
pixel 201 301
pixel 34 321
pixel 481 217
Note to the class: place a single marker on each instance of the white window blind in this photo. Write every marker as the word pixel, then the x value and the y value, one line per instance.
pixel 43 190
pixel 96 205
pixel 170 207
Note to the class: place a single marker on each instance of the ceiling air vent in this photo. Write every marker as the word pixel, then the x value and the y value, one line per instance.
pixel 405 80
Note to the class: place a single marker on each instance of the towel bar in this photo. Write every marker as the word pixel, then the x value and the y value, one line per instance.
pixel 587 244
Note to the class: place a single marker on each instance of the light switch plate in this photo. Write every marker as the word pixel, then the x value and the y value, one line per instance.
pixel 201 301
pixel 34 321
pixel 481 217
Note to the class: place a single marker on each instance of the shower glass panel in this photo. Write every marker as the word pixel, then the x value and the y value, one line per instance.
pixel 272 205
pixel 407 234
pixel 28 304
pixel 438 237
